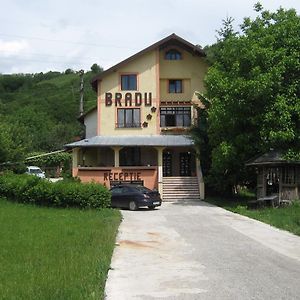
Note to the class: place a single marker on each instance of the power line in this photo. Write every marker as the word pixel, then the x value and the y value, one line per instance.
pixel 75 60
pixel 66 42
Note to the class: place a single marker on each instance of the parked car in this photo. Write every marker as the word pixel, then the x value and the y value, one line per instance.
pixel 36 171
pixel 134 197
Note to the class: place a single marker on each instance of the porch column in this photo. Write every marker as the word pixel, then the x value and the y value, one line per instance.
pixel 75 156
pixel 75 160
pixel 160 168
pixel 117 155
pixel 200 179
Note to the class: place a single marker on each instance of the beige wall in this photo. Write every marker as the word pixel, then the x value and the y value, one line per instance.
pixel 153 74
pixel 191 69
pixel 146 69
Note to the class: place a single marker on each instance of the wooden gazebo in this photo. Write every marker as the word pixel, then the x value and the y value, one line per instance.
pixel 276 176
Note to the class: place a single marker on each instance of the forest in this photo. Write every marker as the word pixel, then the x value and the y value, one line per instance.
pixel 38 112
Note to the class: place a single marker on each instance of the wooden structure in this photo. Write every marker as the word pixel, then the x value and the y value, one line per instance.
pixel 277 176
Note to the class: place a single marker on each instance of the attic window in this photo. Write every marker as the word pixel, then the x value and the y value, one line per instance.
pixel 173 54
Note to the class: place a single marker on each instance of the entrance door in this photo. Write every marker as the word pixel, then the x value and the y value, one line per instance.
pixel 167 164
pixel 185 164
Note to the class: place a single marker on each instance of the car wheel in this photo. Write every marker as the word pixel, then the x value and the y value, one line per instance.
pixel 132 205
pixel 151 207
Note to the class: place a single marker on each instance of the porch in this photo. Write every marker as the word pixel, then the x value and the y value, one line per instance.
pixel 132 160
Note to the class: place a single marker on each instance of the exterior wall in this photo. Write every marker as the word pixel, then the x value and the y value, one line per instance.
pixel 90 122
pixel 191 69
pixel 105 175
pixel 146 69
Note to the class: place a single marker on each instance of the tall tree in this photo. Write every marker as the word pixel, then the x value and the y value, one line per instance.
pixel 254 90
pixel 95 68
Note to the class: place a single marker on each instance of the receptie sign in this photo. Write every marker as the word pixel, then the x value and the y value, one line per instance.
pixel 122 176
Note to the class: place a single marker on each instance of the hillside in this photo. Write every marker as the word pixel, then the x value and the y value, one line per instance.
pixel 40 111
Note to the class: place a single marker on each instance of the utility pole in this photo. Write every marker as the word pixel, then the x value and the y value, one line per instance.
pixel 81 72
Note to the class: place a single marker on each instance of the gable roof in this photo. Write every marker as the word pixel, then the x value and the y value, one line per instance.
pixel 270 158
pixel 171 40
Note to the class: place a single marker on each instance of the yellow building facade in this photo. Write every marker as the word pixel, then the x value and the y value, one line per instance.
pixel 138 131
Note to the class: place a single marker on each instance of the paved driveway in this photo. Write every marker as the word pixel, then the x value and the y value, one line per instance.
pixel 199 251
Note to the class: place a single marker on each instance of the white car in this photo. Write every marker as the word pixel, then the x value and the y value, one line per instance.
pixel 33 170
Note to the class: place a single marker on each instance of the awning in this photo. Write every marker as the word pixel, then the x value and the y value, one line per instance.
pixel 129 140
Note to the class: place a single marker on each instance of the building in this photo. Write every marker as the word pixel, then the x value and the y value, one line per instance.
pixel 138 131
pixel 276 176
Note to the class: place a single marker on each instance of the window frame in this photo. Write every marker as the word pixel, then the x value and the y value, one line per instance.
pixel 173 54
pixel 128 86
pixel 133 123
pixel 178 112
pixel 176 90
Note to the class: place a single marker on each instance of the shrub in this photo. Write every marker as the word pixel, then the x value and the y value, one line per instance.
pixel 31 189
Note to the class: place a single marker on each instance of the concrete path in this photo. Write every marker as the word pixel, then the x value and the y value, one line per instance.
pixel 199 251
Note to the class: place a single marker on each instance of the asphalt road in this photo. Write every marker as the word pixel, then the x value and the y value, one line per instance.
pixel 199 251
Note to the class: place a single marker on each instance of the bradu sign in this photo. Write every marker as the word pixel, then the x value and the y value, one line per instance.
pixel 128 99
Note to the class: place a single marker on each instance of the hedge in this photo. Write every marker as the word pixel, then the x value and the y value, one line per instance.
pixel 66 193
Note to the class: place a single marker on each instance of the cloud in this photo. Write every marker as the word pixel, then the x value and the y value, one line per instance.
pixel 12 47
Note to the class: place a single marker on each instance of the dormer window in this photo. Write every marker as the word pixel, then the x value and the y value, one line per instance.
pixel 173 54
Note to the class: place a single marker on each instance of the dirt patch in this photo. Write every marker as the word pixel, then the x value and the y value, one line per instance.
pixel 137 244
pixel 153 233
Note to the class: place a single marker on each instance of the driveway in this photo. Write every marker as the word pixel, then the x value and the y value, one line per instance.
pixel 199 251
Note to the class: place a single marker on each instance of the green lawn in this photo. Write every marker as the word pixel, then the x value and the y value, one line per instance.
pixel 287 218
pixel 48 253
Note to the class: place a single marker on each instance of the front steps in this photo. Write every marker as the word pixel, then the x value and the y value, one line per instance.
pixel 180 189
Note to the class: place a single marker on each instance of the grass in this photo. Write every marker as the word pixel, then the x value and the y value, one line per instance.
pixel 287 218
pixel 48 253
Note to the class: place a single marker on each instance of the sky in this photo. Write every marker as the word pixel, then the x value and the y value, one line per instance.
pixel 41 36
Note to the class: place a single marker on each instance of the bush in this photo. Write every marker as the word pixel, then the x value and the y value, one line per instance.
pixel 31 189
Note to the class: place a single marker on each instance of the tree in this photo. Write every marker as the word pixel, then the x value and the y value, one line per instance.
pixel 254 88
pixel 96 68
pixel 69 71
pixel 11 149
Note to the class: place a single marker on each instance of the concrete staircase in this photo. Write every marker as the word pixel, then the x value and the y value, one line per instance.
pixel 180 189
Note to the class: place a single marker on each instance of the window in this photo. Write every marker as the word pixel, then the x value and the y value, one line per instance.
pixel 290 175
pixel 130 156
pixel 128 118
pixel 175 116
pixel 173 54
pixel 175 86
pixel 129 82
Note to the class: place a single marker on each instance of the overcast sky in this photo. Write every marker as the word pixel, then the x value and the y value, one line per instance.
pixel 39 36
